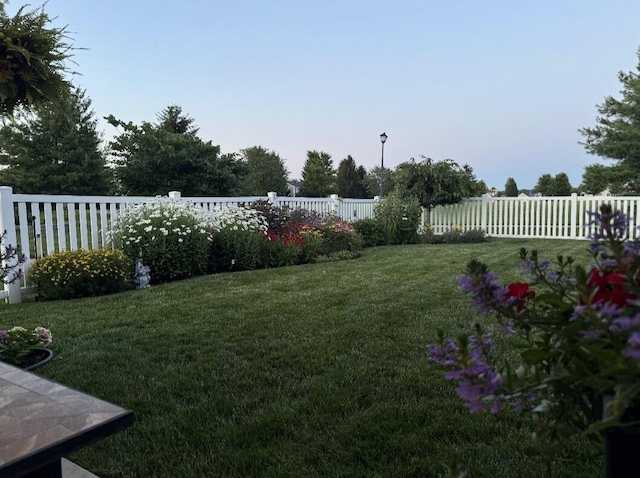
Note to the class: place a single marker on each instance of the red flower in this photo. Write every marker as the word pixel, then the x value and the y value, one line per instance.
pixel 521 292
pixel 609 287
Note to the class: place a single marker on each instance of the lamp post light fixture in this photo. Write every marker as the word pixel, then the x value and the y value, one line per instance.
pixel 383 139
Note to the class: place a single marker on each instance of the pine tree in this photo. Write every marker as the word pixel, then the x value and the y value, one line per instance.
pixel 54 149
pixel 511 188
pixel 318 176
pixel 348 182
pixel 172 120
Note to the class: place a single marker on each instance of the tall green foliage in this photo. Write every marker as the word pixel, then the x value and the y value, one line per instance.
pixel 318 176
pixel 265 172
pixel 32 59
pixel 435 183
pixel 149 160
pixel 511 188
pixel 618 179
pixel 173 120
pixel 54 149
pixel 617 132
pixel 350 179
pixel 557 185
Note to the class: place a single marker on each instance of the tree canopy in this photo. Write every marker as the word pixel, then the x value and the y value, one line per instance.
pixel 150 160
pixel 617 131
pixel 172 119
pixel 557 185
pixel 436 183
pixel 32 59
pixel 350 179
pixel 318 176
pixel 264 172
pixel 511 188
pixel 54 149
pixel 617 179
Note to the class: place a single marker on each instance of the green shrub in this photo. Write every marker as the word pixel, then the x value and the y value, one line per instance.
pixel 235 250
pixel 281 251
pixel 372 231
pixel 236 239
pixel 340 235
pixel 171 237
pixel 453 236
pixel 400 218
pixel 82 273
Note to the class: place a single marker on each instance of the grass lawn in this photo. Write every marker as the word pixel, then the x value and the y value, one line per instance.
pixel 307 371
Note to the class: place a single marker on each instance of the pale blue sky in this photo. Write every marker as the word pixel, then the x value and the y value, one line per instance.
pixel 502 85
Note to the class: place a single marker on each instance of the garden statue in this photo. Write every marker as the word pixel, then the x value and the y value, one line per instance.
pixel 142 277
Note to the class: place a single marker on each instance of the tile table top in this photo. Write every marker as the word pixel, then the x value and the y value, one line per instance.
pixel 42 421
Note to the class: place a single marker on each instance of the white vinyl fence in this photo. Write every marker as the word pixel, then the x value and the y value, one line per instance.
pixel 557 217
pixel 43 224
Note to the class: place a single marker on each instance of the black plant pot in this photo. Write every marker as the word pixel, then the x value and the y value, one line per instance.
pixel 36 358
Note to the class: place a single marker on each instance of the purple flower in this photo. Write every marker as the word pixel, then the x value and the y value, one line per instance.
pixel 632 350
pixel 487 293
pixel 444 354
pixel 623 324
pixel 3 334
pixel 591 334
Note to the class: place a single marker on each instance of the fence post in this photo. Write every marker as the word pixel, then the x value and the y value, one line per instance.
pixel 8 224
pixel 483 213
pixel 272 197
pixel 175 195
pixel 573 221
pixel 335 203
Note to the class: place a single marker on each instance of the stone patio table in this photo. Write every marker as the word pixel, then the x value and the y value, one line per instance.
pixel 42 421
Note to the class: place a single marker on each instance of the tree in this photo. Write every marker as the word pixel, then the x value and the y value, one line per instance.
pixel 172 120
pixel 265 172
pixel 617 133
pixel 149 160
pixel 561 185
pixel 372 181
pixel 363 193
pixel 511 188
pixel 54 149
pixel 318 176
pixel 348 179
pixel 32 59
pixel 544 186
pixel 557 185
pixel 435 183
pixel 617 179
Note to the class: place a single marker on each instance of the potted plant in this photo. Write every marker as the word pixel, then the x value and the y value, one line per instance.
pixel 26 349
pixel 578 333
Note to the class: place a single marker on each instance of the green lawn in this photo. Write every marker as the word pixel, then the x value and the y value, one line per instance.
pixel 308 371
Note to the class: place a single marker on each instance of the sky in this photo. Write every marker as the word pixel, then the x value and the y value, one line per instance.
pixel 501 85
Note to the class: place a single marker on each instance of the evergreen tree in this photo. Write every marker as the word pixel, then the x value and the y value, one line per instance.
pixel 318 176
pixel 348 181
pixel 511 188
pixel 149 160
pixel 544 186
pixel 54 149
pixel 617 133
pixel 363 193
pixel 172 119
pixel 265 172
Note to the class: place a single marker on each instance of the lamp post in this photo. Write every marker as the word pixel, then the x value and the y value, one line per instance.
pixel 383 139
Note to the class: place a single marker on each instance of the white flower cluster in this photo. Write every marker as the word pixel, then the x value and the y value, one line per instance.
pixel 153 220
pixel 237 218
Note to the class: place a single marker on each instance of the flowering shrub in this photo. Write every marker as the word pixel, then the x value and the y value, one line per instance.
pixel 237 218
pixel 578 331
pixel 340 235
pixel 277 217
pixel 284 250
pixel 236 239
pixel 17 342
pixel 81 273
pixel 400 218
pixel 171 237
